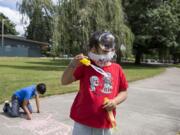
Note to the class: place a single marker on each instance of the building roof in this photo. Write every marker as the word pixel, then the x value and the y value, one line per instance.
pixel 24 39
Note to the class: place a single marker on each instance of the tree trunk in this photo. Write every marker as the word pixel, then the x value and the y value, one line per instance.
pixel 138 58
pixel 175 59
pixel 119 55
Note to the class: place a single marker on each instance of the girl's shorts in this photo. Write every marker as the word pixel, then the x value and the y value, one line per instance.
pixel 80 129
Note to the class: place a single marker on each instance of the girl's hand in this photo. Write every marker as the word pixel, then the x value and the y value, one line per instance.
pixel 68 76
pixel 76 60
pixel 110 105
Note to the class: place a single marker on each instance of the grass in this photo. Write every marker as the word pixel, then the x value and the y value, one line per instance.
pixel 137 72
pixel 16 73
pixel 177 65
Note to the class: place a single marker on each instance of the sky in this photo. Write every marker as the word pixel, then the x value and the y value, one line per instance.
pixel 9 9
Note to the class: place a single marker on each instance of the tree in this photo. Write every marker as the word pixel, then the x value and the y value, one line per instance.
pixel 136 16
pixel 155 24
pixel 76 20
pixel 40 14
pixel 165 22
pixel 9 27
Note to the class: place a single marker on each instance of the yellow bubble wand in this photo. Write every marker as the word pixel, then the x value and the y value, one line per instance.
pixel 87 62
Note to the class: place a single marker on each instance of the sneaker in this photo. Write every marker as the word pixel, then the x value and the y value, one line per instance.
pixel 6 105
pixel 7 101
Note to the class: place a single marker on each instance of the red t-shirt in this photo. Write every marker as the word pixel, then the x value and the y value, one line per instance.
pixel 94 87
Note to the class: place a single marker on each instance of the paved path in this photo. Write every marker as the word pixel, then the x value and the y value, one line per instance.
pixel 152 108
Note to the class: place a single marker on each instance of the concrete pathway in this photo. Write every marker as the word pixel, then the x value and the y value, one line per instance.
pixel 152 108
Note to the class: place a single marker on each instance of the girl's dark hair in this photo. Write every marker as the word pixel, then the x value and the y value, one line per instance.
pixel 94 39
pixel 41 88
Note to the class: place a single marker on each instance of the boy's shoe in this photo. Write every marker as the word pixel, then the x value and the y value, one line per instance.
pixel 6 105
pixel 7 101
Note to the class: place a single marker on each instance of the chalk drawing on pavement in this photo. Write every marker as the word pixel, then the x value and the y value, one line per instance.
pixel 45 125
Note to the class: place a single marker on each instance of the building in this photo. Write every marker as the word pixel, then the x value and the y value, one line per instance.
pixel 11 46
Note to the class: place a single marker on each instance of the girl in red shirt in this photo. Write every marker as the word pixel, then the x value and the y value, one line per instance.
pixel 89 110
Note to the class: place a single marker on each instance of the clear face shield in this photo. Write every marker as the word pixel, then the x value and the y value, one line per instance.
pixel 107 44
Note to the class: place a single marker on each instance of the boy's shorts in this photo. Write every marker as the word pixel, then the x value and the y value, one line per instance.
pixel 80 129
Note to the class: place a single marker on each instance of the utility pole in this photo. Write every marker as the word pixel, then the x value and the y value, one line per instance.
pixel 2 35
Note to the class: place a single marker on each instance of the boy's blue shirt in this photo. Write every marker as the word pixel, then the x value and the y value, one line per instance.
pixel 25 93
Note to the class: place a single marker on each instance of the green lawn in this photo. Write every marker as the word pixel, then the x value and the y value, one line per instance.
pixel 137 72
pixel 178 65
pixel 16 73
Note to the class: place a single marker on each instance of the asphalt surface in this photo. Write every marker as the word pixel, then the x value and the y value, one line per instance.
pixel 152 108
